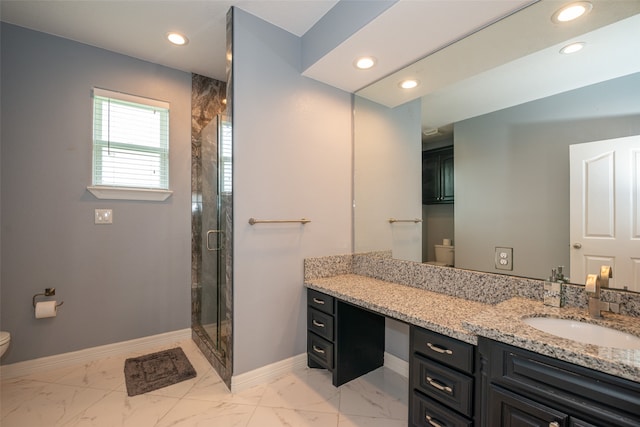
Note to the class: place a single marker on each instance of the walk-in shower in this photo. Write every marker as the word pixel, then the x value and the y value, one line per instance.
pixel 211 225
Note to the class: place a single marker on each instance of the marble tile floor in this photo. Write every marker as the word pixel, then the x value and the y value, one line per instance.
pixel 94 394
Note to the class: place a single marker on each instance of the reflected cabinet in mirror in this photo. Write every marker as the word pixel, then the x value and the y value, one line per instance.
pixel 546 149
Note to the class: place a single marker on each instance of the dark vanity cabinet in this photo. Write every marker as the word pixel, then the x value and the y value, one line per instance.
pixel 441 380
pixel 522 388
pixel 437 176
pixel 345 339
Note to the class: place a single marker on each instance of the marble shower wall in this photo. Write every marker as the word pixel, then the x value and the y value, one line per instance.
pixel 207 97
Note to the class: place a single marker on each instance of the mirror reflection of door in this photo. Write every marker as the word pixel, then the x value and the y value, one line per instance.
pixel 605 210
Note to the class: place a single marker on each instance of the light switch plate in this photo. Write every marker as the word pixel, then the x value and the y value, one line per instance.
pixel 104 216
pixel 504 258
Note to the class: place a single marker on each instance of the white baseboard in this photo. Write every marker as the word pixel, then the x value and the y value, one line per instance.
pixel 91 354
pixel 396 364
pixel 267 373
pixel 270 372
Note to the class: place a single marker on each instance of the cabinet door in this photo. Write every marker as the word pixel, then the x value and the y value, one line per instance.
pixel 596 397
pixel 437 176
pixel 507 409
pixel 430 178
pixel 446 177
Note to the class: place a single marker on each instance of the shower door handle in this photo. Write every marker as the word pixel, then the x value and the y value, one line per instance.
pixel 209 232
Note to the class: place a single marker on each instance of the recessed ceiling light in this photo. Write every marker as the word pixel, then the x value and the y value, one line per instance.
pixel 409 84
pixel 365 62
pixel 571 11
pixel 177 39
pixel 572 48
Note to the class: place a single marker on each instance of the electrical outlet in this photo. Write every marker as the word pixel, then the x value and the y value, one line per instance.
pixel 103 216
pixel 504 258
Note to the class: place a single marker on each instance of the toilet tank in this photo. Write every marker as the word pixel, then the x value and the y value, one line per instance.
pixel 445 254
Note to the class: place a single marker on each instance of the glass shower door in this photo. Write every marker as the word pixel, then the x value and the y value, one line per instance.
pixel 212 318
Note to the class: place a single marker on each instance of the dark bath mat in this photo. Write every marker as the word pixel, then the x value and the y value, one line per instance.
pixel 157 370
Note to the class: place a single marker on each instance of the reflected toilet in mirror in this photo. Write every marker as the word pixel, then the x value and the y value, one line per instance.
pixel 445 255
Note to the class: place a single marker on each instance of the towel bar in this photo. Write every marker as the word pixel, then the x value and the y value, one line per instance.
pixel 416 220
pixel 253 221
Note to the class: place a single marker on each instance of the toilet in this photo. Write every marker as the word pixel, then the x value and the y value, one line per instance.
pixel 444 255
pixel 5 337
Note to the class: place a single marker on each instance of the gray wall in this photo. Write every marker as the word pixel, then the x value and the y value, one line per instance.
pixel 292 159
pixel 512 173
pixel 384 137
pixel 120 281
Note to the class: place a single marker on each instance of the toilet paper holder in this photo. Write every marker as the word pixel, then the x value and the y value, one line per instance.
pixel 48 292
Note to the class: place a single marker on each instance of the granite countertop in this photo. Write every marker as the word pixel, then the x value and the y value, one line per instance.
pixel 503 322
pixel 431 310
pixel 466 320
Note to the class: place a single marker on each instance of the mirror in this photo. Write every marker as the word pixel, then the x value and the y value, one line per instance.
pixel 511 143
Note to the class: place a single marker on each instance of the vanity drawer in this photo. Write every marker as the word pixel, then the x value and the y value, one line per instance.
pixel 449 351
pixel 429 413
pixel 320 323
pixel 320 350
pixel 447 386
pixel 320 301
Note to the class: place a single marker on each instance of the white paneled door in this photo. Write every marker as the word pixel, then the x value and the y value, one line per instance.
pixel 605 210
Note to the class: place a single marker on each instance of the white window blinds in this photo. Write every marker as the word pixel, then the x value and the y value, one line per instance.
pixel 225 154
pixel 130 141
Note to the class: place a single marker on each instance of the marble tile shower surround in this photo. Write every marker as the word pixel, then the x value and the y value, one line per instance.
pixel 477 286
pixel 207 97
pixel 206 103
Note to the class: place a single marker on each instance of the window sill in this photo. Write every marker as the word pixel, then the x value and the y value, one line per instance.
pixel 123 193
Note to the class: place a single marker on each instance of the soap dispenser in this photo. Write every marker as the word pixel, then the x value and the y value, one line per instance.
pixel 554 288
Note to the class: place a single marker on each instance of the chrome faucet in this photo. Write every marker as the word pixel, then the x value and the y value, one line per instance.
pixel 593 286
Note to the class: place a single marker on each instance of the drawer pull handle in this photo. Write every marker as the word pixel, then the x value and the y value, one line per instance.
pixel 318 350
pixel 439 386
pixel 318 324
pixel 439 349
pixel 318 301
pixel 433 422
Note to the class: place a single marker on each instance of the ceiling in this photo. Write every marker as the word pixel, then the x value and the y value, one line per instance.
pixel 458 82
pixel 137 28
pixel 517 60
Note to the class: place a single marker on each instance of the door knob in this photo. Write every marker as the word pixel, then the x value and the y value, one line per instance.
pixel 577 245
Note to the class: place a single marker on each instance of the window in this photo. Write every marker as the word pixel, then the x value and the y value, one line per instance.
pixel 130 141
pixel 225 154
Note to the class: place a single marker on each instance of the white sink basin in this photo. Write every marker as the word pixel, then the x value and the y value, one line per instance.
pixel 586 333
